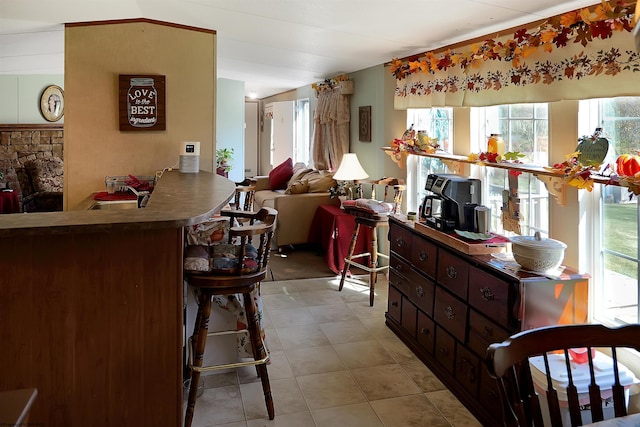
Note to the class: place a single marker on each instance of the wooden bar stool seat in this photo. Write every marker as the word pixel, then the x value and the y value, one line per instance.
pixel 242 279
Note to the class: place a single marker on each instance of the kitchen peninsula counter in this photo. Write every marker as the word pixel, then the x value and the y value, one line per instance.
pixel 91 306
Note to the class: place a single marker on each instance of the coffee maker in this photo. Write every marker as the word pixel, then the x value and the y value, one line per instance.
pixel 451 202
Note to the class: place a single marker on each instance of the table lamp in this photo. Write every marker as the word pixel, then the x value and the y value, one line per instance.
pixel 350 170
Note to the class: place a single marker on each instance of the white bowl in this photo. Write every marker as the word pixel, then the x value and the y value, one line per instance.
pixel 537 254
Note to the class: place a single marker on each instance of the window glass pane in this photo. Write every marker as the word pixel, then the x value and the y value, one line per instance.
pixel 541 111
pixel 522 111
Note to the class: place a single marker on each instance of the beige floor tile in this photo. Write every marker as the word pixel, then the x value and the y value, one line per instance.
pixel 238 424
pixel 330 389
pixel 346 331
pixel 364 311
pixel 266 320
pixel 383 382
pixel 314 360
pixel 363 354
pixel 279 367
pixel 218 406
pixel 219 379
pixel 310 285
pixel 272 339
pixel 282 301
pixel 377 327
pixel 422 376
pixel 287 398
pixel 291 317
pixel 321 297
pixel 332 313
pixel 357 415
pixel 452 409
pixel 270 288
pixel 355 293
pixel 302 336
pixel 301 419
pixel 398 349
pixel 408 411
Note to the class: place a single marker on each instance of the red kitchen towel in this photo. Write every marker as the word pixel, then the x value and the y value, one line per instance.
pixel 103 196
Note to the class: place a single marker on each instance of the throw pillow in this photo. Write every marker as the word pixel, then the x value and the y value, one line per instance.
pixel 280 175
pixel 297 187
pixel 320 181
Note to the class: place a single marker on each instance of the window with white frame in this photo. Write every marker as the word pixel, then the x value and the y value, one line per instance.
pixel 301 144
pixel 525 129
pixel 613 259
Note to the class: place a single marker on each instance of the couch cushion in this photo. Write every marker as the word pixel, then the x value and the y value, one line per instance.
pixel 46 174
pixel 297 187
pixel 280 175
pixel 320 181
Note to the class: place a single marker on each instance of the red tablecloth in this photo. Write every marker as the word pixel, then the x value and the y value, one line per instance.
pixel 9 202
pixel 332 229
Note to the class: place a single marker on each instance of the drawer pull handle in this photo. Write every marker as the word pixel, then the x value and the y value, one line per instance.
pixel 400 242
pixel 471 374
pixel 444 350
pixel 399 268
pixel 394 303
pixel 420 291
pixel 423 255
pixel 486 293
pixel 448 311
pixel 425 331
pixel 488 332
pixel 451 272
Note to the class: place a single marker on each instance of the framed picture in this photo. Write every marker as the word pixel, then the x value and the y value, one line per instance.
pixel 365 124
pixel 52 103
pixel 141 102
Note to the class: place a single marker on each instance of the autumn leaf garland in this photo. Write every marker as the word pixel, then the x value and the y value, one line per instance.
pixel 582 26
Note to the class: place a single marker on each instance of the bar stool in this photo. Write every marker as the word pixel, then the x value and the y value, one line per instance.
pixel 242 279
pixel 372 221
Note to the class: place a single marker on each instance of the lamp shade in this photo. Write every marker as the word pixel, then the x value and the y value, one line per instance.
pixel 350 169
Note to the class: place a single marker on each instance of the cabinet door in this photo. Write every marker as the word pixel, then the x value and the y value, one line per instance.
pixel 400 240
pixel 451 313
pixel 426 332
pixel 453 273
pixel 468 370
pixel 394 304
pixel 490 295
pixel 483 332
pixel 424 256
pixel 409 317
pixel 421 292
pixel 445 350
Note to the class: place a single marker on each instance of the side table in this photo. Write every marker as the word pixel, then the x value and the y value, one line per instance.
pixel 9 202
pixel 332 228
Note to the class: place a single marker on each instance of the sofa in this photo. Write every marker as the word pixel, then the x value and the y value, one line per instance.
pixel 295 194
pixel 41 184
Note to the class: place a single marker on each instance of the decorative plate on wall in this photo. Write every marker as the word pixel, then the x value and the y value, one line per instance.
pixel 52 103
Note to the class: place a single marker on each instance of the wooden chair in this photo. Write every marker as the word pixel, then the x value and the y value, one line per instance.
pixel 550 348
pixel 244 196
pixel 240 279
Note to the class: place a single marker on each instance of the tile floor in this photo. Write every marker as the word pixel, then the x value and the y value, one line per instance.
pixel 333 363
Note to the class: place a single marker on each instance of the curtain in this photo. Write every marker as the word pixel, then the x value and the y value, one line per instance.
pixel 597 68
pixel 331 126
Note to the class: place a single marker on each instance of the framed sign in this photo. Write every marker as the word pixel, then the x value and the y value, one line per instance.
pixel 52 103
pixel 364 124
pixel 141 102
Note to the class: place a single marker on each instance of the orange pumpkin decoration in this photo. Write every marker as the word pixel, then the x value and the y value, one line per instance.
pixel 628 164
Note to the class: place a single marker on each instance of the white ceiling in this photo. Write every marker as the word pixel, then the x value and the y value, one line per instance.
pixel 274 45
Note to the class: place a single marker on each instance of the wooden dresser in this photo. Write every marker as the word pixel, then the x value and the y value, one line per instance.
pixel 447 307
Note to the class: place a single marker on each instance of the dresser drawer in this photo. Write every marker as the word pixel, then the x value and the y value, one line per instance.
pixel 424 256
pixel 421 292
pixel 490 295
pixel 450 313
pixel 426 332
pixel 394 304
pixel 409 317
pixel 453 273
pixel 399 282
pixel 489 394
pixel 468 370
pixel 483 332
pixel 445 349
pixel 400 240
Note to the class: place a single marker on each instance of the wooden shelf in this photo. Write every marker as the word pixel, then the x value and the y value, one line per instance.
pixel 553 181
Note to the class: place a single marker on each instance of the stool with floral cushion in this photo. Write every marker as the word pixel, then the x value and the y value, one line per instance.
pixel 230 274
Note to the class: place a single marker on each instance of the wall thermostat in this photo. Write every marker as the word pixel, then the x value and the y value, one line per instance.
pixel 190 156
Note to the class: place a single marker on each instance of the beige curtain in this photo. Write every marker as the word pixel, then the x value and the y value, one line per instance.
pixel 603 68
pixel 331 127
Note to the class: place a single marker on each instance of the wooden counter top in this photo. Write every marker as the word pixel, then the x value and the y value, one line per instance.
pixel 178 199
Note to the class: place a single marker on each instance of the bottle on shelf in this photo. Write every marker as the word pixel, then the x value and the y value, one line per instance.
pixel 495 144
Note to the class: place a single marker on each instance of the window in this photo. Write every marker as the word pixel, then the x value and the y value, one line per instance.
pixel 614 262
pixel 525 129
pixel 301 145
pixel 436 123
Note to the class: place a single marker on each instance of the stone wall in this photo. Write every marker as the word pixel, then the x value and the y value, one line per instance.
pixel 19 143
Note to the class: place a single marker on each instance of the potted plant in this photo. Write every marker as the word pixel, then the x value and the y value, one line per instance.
pixel 223 157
